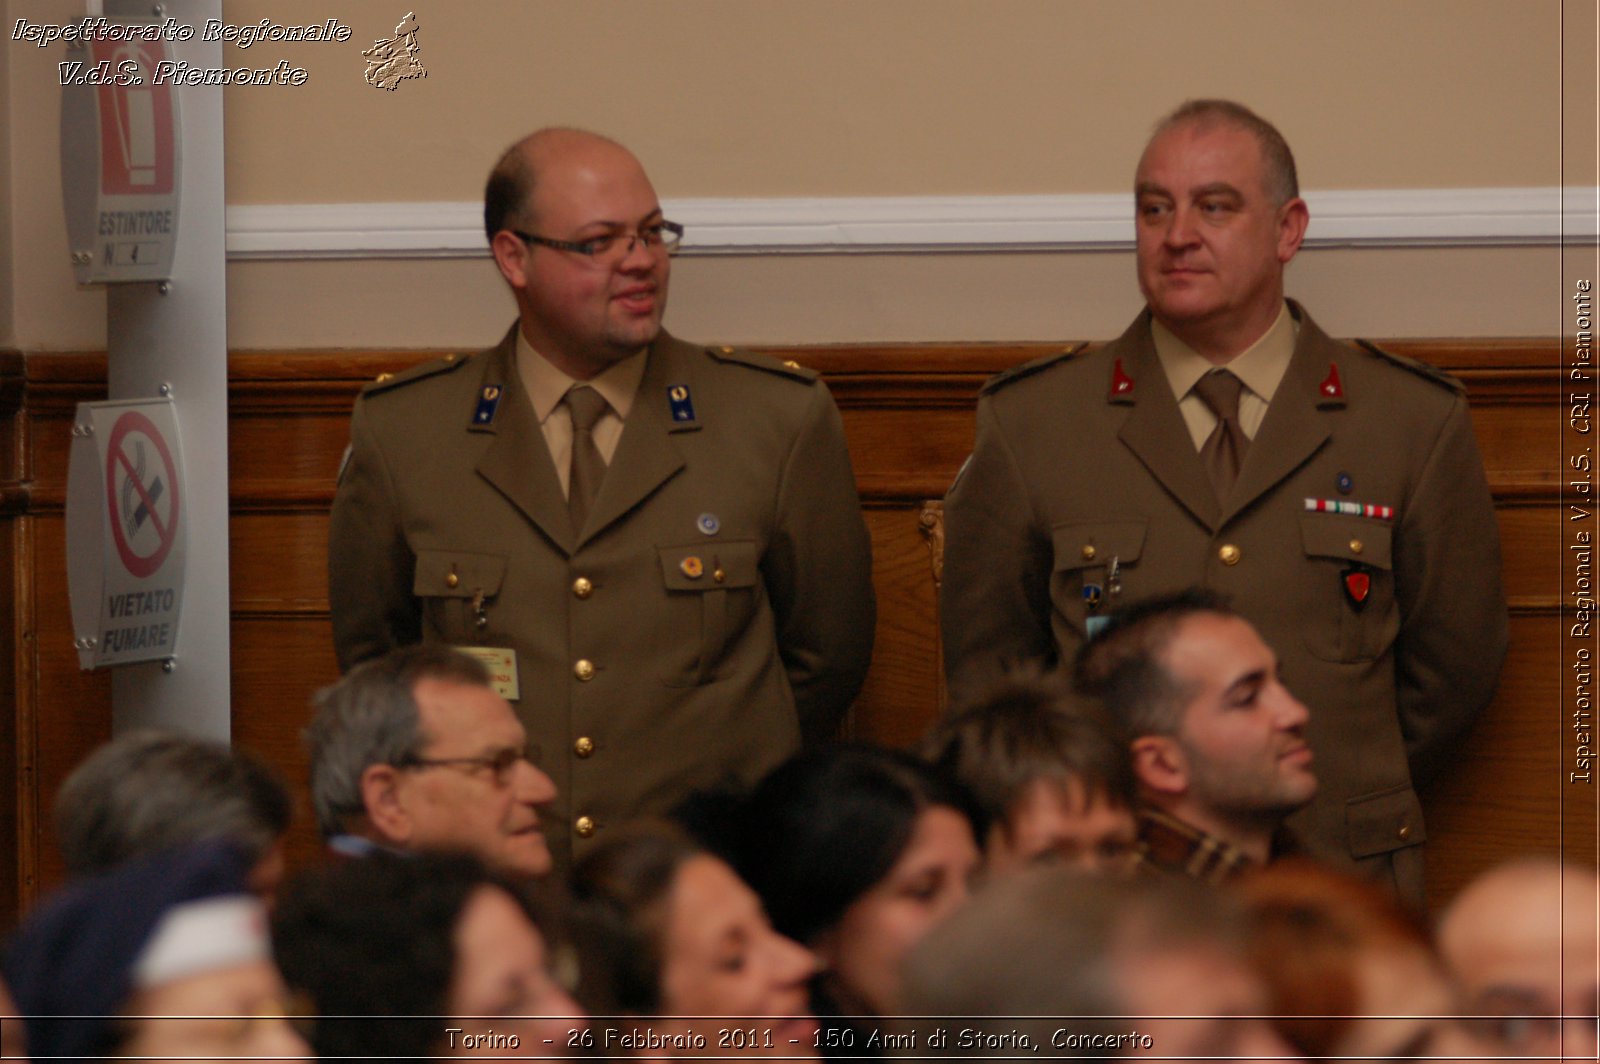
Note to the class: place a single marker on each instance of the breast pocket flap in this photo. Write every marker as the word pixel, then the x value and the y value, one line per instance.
pixel 1345 538
pixel 709 566
pixel 458 574
pixel 1094 544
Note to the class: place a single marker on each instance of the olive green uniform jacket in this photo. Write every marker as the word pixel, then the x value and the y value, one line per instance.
pixel 716 607
pixel 1080 462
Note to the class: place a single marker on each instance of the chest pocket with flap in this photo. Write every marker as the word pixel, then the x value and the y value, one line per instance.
pixel 1083 555
pixel 712 588
pixel 1339 627
pixel 451 584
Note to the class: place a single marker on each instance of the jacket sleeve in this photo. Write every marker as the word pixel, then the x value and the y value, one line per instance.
pixel 370 565
pixel 818 573
pixel 1453 622
pixel 994 600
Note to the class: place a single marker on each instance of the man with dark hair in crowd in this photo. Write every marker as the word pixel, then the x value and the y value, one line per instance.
pixel 150 791
pixel 1049 769
pixel 414 751
pixel 659 544
pixel 1218 743
pixel 1333 491
pixel 1059 964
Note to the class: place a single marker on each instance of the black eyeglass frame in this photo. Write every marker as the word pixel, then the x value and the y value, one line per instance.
pixel 594 246
pixel 500 765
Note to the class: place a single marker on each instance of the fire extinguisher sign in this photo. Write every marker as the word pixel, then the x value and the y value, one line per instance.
pixel 120 158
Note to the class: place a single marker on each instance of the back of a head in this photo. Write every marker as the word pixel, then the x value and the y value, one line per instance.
pixel 374 940
pixel 150 791
pixel 828 824
pixel 1047 954
pixel 1315 935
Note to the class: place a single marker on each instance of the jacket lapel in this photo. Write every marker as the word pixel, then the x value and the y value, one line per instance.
pixel 646 455
pixel 1297 422
pixel 518 462
pixel 1154 430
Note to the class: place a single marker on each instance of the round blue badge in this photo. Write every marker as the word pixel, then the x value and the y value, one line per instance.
pixel 1345 483
pixel 708 524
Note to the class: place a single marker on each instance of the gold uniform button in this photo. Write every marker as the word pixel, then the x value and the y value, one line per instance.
pixel 583 670
pixel 1356 546
pixel 451 358
pixel 582 588
pixel 583 747
pixel 727 350
pixel 385 377
pixel 791 363
pixel 584 826
pixel 1404 832
pixel 1088 552
pixel 1229 554
pixel 451 580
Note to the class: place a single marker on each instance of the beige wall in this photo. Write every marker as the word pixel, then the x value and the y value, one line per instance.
pixel 751 98
pixel 843 298
pixel 905 97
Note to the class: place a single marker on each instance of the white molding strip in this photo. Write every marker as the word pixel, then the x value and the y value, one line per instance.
pixel 1377 218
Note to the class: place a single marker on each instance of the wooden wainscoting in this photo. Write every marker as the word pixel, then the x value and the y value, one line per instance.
pixel 908 413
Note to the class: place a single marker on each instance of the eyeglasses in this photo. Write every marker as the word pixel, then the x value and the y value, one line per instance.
pixel 501 764
pixel 612 248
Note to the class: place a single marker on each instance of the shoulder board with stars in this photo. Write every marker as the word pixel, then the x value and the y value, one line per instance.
pixel 421 371
pixel 783 367
pixel 1027 369
pixel 1421 369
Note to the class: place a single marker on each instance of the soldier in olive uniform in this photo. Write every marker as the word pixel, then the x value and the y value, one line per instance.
pixel 1334 493
pixel 657 547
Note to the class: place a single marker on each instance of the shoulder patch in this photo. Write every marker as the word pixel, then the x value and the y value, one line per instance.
pixel 421 371
pixel 1028 369
pixel 1420 368
pixel 783 368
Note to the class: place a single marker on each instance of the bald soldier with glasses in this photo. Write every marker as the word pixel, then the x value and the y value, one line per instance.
pixel 656 548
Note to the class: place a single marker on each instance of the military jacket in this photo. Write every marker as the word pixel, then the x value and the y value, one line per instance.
pixel 1360 540
pixel 716 606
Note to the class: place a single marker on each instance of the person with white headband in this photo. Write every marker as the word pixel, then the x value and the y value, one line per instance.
pixel 167 957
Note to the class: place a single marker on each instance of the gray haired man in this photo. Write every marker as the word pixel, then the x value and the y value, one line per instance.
pixel 414 751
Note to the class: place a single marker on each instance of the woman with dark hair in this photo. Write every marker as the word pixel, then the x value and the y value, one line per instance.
pixel 670 935
pixel 389 948
pixel 858 852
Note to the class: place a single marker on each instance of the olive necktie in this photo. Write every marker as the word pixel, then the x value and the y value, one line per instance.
pixel 1223 451
pixel 588 467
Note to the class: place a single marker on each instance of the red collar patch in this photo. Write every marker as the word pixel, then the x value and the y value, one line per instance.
pixel 1331 388
pixel 1121 383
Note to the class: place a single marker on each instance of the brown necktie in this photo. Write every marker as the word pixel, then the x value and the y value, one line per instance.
pixel 1223 451
pixel 588 467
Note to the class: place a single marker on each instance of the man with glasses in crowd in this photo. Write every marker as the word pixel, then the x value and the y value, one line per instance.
pixel 657 547
pixel 414 752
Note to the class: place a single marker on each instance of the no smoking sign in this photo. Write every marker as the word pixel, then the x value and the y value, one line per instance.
pixel 125 531
pixel 141 493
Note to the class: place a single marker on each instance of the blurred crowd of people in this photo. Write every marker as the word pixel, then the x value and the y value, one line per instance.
pixel 1069 865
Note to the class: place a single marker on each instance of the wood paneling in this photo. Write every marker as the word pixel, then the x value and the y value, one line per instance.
pixel 907 411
